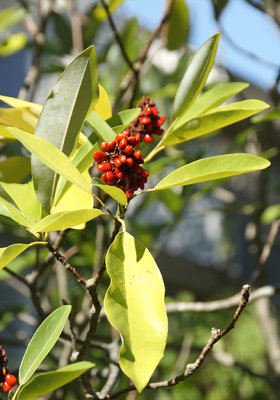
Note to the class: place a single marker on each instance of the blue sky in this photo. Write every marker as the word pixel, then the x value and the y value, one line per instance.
pixel 253 51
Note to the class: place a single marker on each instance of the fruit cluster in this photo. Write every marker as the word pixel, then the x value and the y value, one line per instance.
pixel 119 160
pixel 8 380
pixel 148 122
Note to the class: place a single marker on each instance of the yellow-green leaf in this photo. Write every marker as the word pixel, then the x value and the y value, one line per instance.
pixel 116 193
pixel 18 117
pixel 64 220
pixel 46 382
pixel 270 214
pixel 15 169
pixel 8 254
pixel 9 210
pixel 214 119
pixel 18 103
pixel 211 168
pixel 52 157
pixel 14 43
pixel 134 305
pixel 178 25
pixel 120 121
pixel 103 105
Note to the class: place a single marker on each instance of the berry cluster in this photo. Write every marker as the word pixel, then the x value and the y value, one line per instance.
pixel 7 380
pixel 148 122
pixel 119 162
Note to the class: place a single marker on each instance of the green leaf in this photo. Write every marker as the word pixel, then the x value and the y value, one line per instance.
pixel 62 117
pixel 8 254
pixel 18 117
pixel 103 105
pixel 9 210
pixel 196 75
pixel 214 119
pixel 42 342
pixel 30 209
pixel 64 220
pixel 270 214
pixel 210 99
pixel 18 103
pixel 46 382
pixel 116 193
pixel 270 115
pixel 120 121
pixel 10 17
pixel 100 127
pixel 15 169
pixel 211 168
pixel 178 25
pixel 14 43
pixel 134 305
pixel 52 157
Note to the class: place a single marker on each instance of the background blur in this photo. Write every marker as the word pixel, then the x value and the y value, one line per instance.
pixel 208 239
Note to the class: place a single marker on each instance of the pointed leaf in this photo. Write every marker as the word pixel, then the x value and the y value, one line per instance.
pixel 19 193
pixel 8 254
pixel 120 121
pixel 18 103
pixel 64 220
pixel 134 305
pixel 46 382
pixel 211 168
pixel 18 117
pixel 63 116
pixel 9 210
pixel 196 75
pixel 103 105
pixel 116 193
pixel 211 99
pixel 214 119
pixel 100 127
pixel 42 342
pixel 52 157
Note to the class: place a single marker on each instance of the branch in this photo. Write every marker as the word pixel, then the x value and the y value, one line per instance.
pixel 216 335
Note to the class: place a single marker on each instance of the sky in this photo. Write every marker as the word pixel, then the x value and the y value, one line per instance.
pixel 250 43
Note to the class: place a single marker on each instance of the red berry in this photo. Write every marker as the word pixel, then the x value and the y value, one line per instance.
pixel 138 137
pixel 122 158
pixel 137 154
pixel 129 162
pixel 161 120
pixel 104 167
pixel 103 177
pixel 128 150
pixel 111 144
pixel 11 380
pixel 126 132
pixel 6 387
pixel 129 193
pixel 148 138
pixel 119 137
pixel 145 120
pixel 122 143
pixel 110 175
pixel 117 162
pixel 148 111
pixel 104 146
pixel 132 140
pixel 155 111
pixel 99 156
pixel 120 175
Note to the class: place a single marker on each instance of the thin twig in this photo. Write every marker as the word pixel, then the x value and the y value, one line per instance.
pixel 216 335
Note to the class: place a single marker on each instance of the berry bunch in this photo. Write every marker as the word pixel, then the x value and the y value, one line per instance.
pixel 119 162
pixel 7 380
pixel 148 122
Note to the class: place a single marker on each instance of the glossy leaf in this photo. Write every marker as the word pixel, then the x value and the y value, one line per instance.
pixel 207 169
pixel 178 25
pixel 46 382
pixel 9 210
pixel 25 199
pixel 214 97
pixel 214 119
pixel 103 105
pixel 42 342
pixel 114 192
pixel 15 169
pixel 134 305
pixel 18 103
pixel 100 127
pixel 18 117
pixel 270 214
pixel 52 157
pixel 62 117
pixel 8 254
pixel 196 75
pixel 120 121
pixel 64 220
